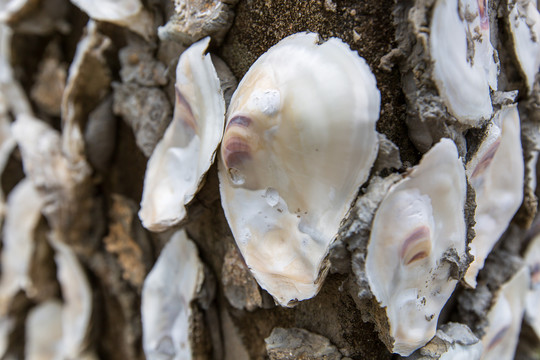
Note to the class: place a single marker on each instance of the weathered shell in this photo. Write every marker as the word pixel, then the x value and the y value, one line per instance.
pixel 524 21
pixel 128 13
pixel 299 142
pixel 179 162
pixel 417 240
pixel 504 317
pixel 167 294
pixel 496 174
pixel 10 10
pixel 465 63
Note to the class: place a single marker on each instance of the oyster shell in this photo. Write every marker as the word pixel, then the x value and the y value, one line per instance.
pixel 168 291
pixel 524 23
pixel 417 241
pixel 44 331
pixel 24 211
pixel 504 316
pixel 10 10
pixel 179 162
pixel 465 63
pixel 128 13
pixel 299 142
pixel 532 260
pixel 496 174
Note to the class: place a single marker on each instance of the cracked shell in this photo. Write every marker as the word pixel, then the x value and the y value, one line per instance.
pixel 417 240
pixel 179 162
pixel 496 174
pixel 299 142
pixel 465 63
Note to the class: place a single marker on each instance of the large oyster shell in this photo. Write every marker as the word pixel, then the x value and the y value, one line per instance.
pixel 524 23
pixel 465 63
pixel 300 140
pixel 181 159
pixel 496 174
pixel 504 317
pixel 167 294
pixel 417 240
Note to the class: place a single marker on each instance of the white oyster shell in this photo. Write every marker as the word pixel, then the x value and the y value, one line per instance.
pixel 179 162
pixel 465 63
pixel 532 260
pixel 44 331
pixel 417 234
pixel 504 317
pixel 496 174
pixel 77 309
pixel 524 19
pixel 167 294
pixel 128 13
pixel 24 211
pixel 300 141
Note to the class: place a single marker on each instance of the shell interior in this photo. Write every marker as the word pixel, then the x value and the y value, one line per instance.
pixel 504 317
pixel 418 224
pixel 179 162
pixel 167 294
pixel 532 260
pixel 299 142
pixel 465 65
pixel 496 174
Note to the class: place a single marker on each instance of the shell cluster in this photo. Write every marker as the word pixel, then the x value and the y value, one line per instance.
pixel 281 189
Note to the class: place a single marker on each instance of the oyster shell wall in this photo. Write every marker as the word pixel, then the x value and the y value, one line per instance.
pixel 300 140
pixel 417 241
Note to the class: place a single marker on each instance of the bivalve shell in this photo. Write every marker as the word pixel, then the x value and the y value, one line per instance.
pixel 299 142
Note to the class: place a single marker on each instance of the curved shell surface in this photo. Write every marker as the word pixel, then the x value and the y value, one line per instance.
pixel 496 174
pixel 417 232
pixel 300 140
pixel 532 260
pixel 504 317
pixel 179 162
pixel 465 65
pixel 167 294
pixel 524 20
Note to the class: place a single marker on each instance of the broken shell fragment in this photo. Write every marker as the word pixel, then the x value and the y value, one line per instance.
pixel 168 292
pixel 465 63
pixel 496 174
pixel 524 23
pixel 411 263
pixel 44 331
pixel 128 13
pixel 504 317
pixel 179 162
pixel 300 140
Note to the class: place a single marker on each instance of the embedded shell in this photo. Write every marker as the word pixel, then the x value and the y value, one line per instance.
pixel 524 23
pixel 465 63
pixel 299 142
pixel 504 317
pixel 417 240
pixel 167 294
pixel 532 261
pixel 179 162
pixel 496 174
